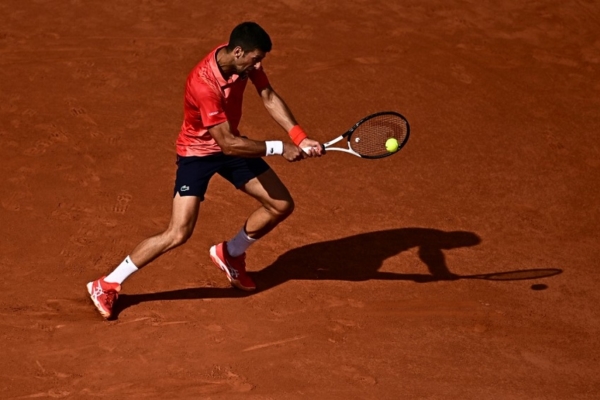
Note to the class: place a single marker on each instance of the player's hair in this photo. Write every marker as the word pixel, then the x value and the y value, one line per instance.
pixel 249 36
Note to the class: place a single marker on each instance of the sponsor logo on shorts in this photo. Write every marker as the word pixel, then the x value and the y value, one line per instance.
pixel 184 188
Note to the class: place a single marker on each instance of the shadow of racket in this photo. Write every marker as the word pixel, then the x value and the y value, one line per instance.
pixel 517 275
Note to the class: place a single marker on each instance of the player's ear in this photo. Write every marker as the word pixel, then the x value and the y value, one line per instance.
pixel 238 52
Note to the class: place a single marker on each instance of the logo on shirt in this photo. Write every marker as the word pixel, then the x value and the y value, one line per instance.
pixel 213 113
pixel 184 188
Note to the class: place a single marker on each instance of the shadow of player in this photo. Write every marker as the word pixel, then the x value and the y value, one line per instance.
pixel 359 257
pixel 353 258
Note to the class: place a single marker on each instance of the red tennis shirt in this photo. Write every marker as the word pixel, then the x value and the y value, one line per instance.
pixel 210 100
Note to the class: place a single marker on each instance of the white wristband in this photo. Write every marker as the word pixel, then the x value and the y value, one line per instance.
pixel 274 147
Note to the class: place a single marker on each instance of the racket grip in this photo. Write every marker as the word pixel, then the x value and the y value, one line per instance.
pixel 306 149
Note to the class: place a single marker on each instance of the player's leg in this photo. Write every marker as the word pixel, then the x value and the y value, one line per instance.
pixel 104 291
pixel 276 204
pixel 193 174
pixel 254 177
pixel 183 220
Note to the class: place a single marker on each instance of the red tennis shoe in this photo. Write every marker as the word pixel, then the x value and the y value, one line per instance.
pixel 234 267
pixel 104 294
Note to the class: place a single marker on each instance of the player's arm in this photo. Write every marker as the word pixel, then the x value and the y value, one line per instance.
pixel 233 145
pixel 213 115
pixel 282 114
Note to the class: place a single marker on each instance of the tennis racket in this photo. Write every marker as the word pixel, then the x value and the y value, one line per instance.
pixel 368 137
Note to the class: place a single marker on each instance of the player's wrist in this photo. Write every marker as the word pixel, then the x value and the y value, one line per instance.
pixel 297 135
pixel 274 147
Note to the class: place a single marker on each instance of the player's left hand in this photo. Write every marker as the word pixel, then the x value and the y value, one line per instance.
pixel 312 148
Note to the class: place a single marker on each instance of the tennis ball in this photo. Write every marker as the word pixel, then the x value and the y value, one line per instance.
pixel 391 145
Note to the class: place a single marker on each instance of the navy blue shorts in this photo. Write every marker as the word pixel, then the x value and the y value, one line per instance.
pixel 193 173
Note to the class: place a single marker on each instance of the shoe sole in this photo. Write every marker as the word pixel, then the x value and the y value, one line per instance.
pixel 96 304
pixel 234 282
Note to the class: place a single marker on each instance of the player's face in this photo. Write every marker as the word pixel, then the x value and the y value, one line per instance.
pixel 246 62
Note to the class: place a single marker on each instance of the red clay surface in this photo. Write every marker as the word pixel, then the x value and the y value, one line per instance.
pixel 501 174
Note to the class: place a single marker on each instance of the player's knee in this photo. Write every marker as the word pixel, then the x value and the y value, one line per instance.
pixel 284 208
pixel 289 207
pixel 180 236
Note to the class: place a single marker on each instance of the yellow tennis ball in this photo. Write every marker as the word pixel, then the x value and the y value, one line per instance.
pixel 391 145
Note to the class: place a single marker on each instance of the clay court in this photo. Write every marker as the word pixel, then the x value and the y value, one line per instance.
pixel 390 279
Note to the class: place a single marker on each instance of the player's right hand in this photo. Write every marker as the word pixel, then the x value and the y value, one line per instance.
pixel 292 153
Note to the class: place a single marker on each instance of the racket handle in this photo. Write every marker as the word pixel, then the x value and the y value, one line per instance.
pixel 306 149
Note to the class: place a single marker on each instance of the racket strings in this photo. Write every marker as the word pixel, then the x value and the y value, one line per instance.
pixel 369 138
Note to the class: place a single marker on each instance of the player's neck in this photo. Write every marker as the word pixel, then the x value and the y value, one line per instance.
pixel 225 62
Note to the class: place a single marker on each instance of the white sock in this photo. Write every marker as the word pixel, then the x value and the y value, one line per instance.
pixel 126 268
pixel 238 245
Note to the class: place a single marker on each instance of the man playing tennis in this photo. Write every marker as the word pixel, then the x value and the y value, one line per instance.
pixel 209 142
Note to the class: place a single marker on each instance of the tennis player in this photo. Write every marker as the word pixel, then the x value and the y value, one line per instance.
pixel 210 143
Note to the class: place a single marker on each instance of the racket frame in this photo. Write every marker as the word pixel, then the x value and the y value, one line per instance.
pixel 349 132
